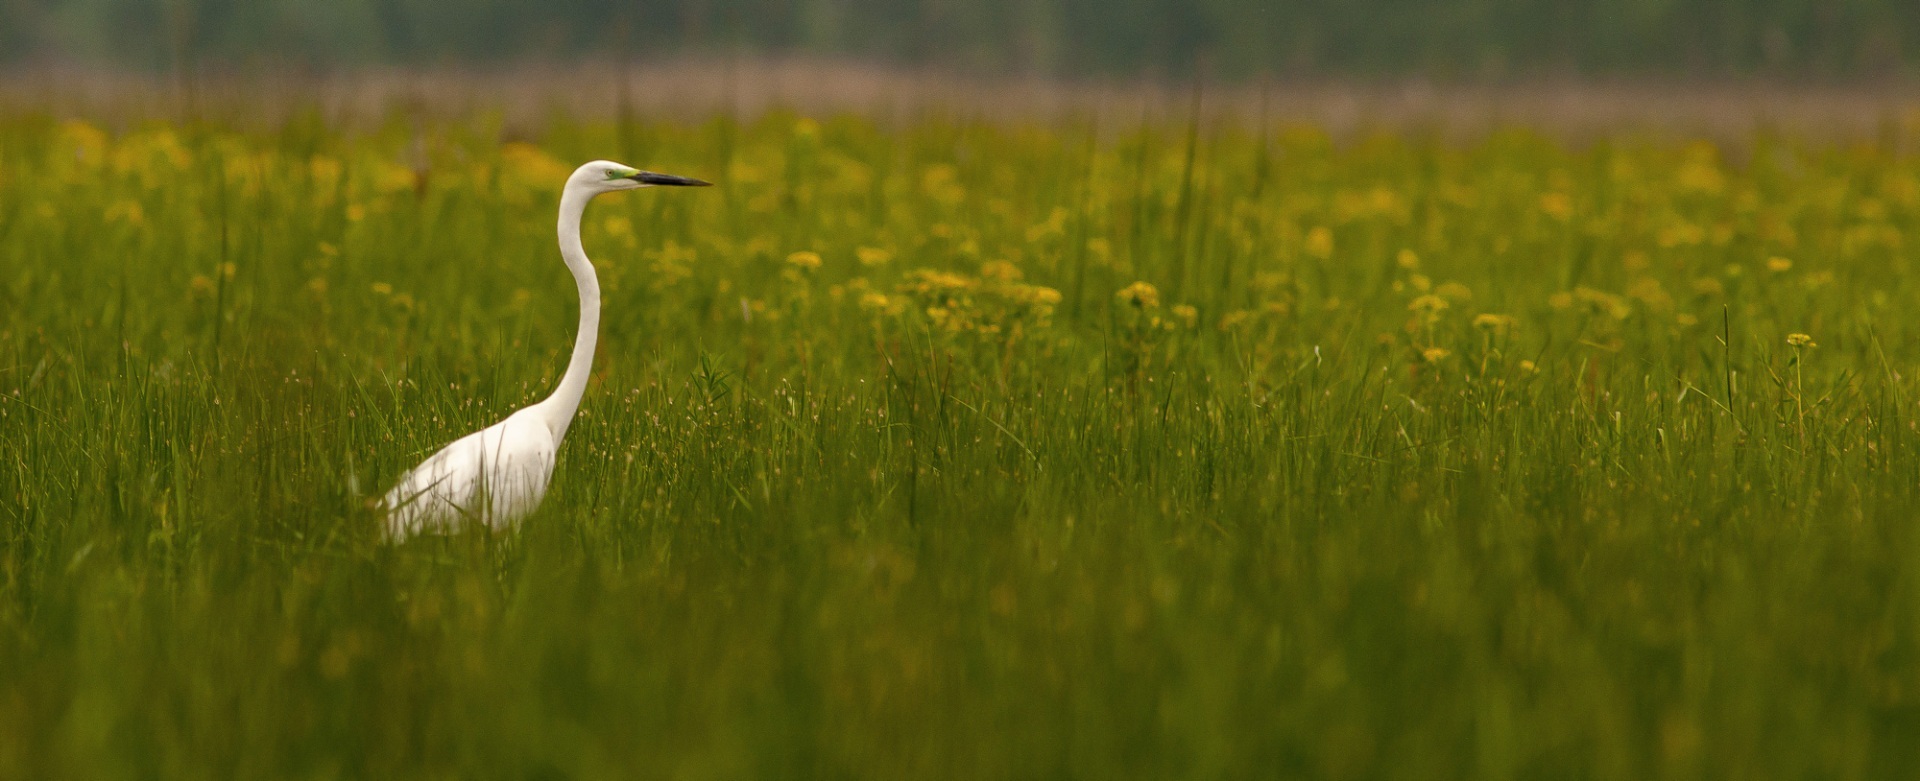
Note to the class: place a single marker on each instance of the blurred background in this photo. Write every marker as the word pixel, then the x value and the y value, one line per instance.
pixel 1453 40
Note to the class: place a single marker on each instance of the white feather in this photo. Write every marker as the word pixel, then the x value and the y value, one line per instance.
pixel 494 476
pixel 498 475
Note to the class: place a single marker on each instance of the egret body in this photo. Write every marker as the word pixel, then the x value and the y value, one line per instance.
pixel 498 475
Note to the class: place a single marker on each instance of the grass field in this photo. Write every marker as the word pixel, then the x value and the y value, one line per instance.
pixel 964 449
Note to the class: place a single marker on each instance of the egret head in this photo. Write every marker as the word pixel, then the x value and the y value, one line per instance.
pixel 602 176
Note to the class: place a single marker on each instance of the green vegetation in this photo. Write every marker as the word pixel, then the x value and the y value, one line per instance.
pixel 955 450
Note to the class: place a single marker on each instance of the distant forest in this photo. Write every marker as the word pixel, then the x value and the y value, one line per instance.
pixel 1466 39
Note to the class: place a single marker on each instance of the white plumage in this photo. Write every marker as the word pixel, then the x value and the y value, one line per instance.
pixel 497 475
pixel 494 476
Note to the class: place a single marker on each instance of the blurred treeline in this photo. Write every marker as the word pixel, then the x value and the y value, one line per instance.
pixel 1126 38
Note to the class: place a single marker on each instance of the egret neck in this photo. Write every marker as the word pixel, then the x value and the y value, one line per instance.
pixel 559 408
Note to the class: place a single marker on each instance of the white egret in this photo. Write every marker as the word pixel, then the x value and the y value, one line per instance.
pixel 499 474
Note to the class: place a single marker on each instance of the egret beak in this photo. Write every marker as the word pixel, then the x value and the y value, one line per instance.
pixel 667 180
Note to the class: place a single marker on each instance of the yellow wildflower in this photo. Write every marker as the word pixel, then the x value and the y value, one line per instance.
pixel 1681 234
pixel 1556 205
pixel 929 281
pixel 128 212
pixel 1454 291
pixel 1140 294
pixel 1602 301
pixel 1043 296
pixel 873 256
pixel 1320 242
pixel 1778 264
pixel 1701 172
pixel 1000 270
pixel 1800 340
pixel 804 259
pixel 1498 324
pixel 1435 354
pixel 86 142
pixel 1187 314
pixel 1429 304
pixel 396 178
pixel 532 166
pixel 1650 292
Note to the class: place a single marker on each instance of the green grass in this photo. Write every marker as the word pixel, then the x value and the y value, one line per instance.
pixel 960 501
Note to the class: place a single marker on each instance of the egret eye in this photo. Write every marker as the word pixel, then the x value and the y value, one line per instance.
pixel 621 173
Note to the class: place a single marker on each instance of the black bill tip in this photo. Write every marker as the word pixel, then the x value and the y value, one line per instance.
pixel 668 180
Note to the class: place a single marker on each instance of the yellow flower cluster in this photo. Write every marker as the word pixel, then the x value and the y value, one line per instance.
pixel 995 302
pixel 1140 295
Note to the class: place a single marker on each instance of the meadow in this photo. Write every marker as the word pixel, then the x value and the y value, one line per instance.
pixel 961 448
